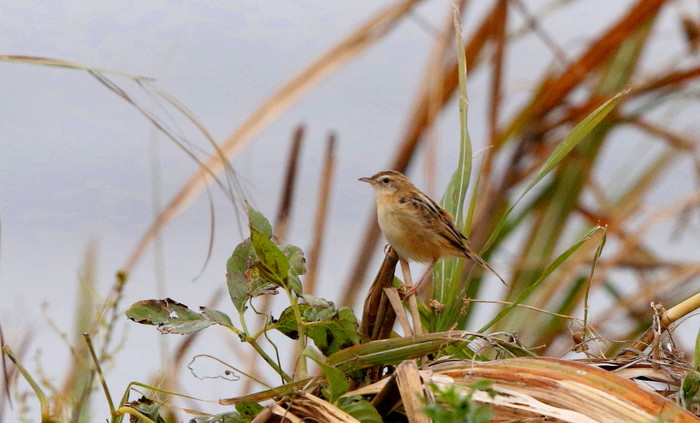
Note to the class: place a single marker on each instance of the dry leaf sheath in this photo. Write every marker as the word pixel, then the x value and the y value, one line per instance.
pixel 415 225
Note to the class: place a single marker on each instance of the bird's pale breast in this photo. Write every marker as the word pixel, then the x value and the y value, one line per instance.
pixel 407 232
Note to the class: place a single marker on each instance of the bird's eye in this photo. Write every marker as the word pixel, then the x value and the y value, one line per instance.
pixel 385 180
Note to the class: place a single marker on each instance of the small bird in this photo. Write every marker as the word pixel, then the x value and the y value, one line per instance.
pixel 416 226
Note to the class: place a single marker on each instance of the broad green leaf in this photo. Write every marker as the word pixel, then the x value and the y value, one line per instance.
pixel 287 323
pixel 168 315
pixel 295 257
pixel 270 256
pixel 243 278
pixel 257 221
pixel 359 408
pixel 330 329
pixel 216 316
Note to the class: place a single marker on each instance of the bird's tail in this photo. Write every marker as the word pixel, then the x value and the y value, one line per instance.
pixel 473 256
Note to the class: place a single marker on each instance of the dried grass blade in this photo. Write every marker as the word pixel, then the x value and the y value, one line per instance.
pixel 566 390
pixel 410 385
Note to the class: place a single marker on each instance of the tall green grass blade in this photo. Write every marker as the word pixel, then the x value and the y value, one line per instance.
pixel 447 272
pixel 562 150
pixel 548 271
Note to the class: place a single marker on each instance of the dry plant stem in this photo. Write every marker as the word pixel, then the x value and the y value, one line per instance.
pixel 499 34
pixel 670 316
pixel 363 37
pixel 263 416
pixel 377 318
pixel 321 215
pixel 395 300
pixel 290 179
pixel 410 386
pixel 387 398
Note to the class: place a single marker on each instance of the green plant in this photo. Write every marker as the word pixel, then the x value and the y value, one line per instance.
pixel 454 406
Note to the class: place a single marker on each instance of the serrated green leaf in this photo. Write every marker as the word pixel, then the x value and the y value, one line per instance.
pixel 257 221
pixel 216 316
pixel 360 408
pixel 168 315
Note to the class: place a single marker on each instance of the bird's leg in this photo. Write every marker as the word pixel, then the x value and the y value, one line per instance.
pixel 414 289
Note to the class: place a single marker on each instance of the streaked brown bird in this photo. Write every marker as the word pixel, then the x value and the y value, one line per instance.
pixel 416 226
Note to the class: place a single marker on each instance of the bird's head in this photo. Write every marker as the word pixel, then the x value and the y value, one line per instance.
pixel 387 182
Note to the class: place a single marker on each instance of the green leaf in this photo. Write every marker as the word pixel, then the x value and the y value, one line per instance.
pixel 168 315
pixel 330 329
pixel 216 316
pixel 249 410
pixel 447 272
pixel 230 417
pixel 548 271
pixel 337 381
pixel 565 146
pixel 287 323
pixel 148 408
pixel 295 258
pixel 690 390
pixel 243 278
pixel 257 221
pixel 394 350
pixel 359 408
pixel 270 257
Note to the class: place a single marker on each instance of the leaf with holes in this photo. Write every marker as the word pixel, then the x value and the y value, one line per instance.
pixel 168 315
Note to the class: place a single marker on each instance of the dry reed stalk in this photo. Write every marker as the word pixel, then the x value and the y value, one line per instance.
pixel 321 215
pixel 499 25
pixel 667 318
pixel 377 318
pixel 410 385
pixel 290 178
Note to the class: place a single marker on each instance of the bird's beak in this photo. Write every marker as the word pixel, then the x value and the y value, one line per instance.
pixel 368 180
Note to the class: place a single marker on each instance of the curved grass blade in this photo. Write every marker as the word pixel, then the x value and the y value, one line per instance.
pixel 565 146
pixel 548 271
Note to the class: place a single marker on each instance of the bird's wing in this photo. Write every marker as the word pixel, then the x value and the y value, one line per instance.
pixel 433 213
